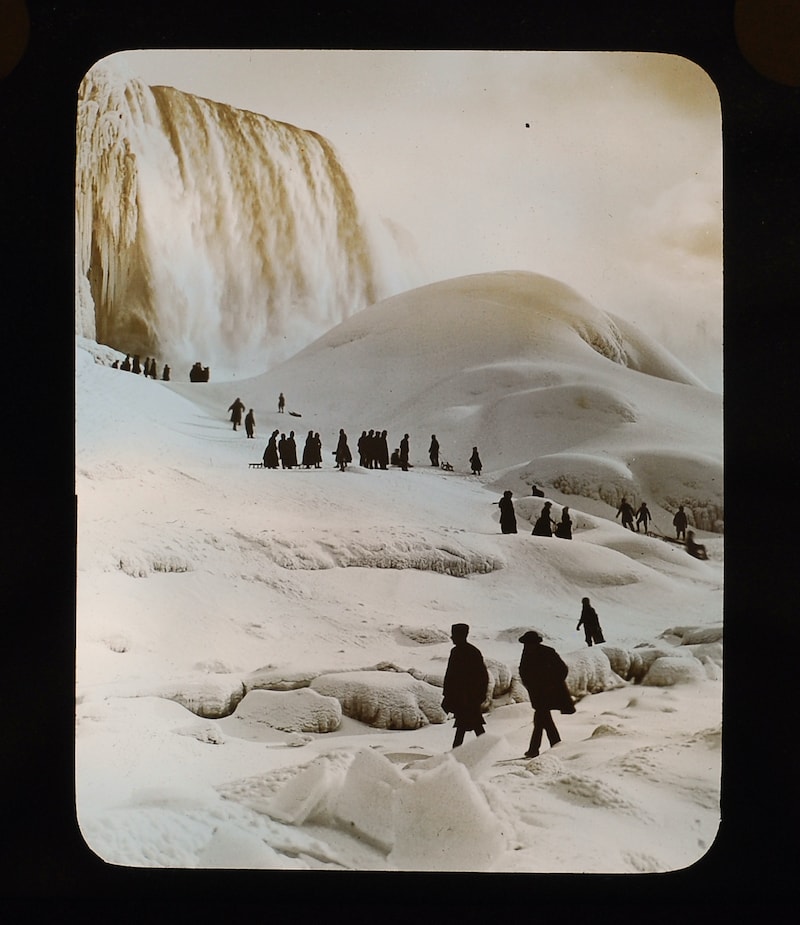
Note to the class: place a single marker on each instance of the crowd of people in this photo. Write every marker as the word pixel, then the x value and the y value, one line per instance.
pixel 132 364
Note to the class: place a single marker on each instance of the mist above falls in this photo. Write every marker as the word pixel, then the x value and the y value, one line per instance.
pixel 210 233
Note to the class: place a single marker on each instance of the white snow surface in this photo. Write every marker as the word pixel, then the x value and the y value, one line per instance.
pixel 260 652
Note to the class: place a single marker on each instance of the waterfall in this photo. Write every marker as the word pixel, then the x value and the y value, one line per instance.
pixel 205 232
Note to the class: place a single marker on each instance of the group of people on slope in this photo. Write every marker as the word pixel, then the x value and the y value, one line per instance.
pixel 134 365
pixel 282 451
pixel 465 690
pixel 626 512
pixel 544 525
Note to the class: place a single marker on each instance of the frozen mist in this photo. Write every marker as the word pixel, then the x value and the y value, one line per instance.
pixel 260 653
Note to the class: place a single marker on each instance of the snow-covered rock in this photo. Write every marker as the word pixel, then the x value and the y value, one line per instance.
pixel 384 699
pixel 590 672
pixel 302 710
pixel 310 794
pixel 210 697
pixel 669 670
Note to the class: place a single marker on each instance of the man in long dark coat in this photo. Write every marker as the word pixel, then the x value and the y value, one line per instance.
pixel 236 409
pixel 433 451
pixel 508 519
pixel 544 673
pixel 404 453
pixel 465 686
pixel 590 623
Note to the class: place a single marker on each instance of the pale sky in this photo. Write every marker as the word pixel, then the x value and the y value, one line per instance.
pixel 601 169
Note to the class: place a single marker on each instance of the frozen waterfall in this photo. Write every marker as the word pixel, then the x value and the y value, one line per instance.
pixel 205 232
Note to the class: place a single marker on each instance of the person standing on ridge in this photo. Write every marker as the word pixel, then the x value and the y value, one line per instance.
pixel 544 522
pixel 281 403
pixel 465 686
pixel 544 674
pixel 564 529
pixel 590 623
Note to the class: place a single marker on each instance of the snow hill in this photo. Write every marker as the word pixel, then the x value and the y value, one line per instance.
pixel 552 390
pixel 260 652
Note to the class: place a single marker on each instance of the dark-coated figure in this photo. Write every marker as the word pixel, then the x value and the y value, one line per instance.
pixel 643 517
pixel 281 403
pixel 627 514
pixel 382 441
pixel 136 366
pixel 475 462
pixel 250 423
pixel 343 455
pixel 433 450
pixel 698 550
pixel 126 364
pixel 508 519
pixel 544 523
pixel 544 673
pixel 680 522
pixel 236 410
pixel 271 460
pixel 361 446
pixel 309 451
pixel 590 623
pixel 165 374
pixel 564 528
pixel 404 453
pixel 536 492
pixel 465 686
pixel 291 451
pixel 317 451
pixel 282 450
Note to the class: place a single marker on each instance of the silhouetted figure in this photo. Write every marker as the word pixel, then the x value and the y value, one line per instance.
pixel 698 550
pixel 136 366
pixel 361 446
pixel 291 451
pixel 309 450
pixel 564 528
pixel 465 686
pixel 544 523
pixel 165 374
pixel 508 519
pixel 680 522
pixel 236 410
pixel 115 364
pixel 343 455
pixel 544 673
pixel 250 423
pixel 643 516
pixel 282 450
pixel 281 403
pixel 270 458
pixel 147 367
pixel 396 456
pixel 433 450
pixel 404 453
pixel 153 368
pixel 196 373
pixel 627 514
pixel 317 451
pixel 126 364
pixel 383 450
pixel 536 492
pixel 590 623
pixel 475 462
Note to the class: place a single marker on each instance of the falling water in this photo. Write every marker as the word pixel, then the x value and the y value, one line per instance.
pixel 209 233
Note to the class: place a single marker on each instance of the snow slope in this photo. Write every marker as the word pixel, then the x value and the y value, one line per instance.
pixel 207 589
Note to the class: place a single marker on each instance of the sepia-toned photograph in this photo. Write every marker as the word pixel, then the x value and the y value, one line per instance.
pixel 399 460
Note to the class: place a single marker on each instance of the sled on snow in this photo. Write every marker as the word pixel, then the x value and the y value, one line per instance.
pixel 256 465
pixel 295 414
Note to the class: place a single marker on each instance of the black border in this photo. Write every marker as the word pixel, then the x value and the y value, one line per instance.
pixel 44 855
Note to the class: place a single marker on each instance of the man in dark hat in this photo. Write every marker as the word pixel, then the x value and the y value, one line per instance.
pixel 466 683
pixel 543 672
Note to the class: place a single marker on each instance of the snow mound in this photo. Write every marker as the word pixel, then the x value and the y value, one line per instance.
pixel 309 796
pixel 384 699
pixel 627 663
pixel 425 635
pixel 301 710
pixel 210 697
pixel 231 847
pixel 443 822
pixel 364 802
pixel 590 672
pixel 669 670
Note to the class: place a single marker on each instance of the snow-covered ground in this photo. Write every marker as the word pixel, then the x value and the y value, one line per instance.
pixel 259 652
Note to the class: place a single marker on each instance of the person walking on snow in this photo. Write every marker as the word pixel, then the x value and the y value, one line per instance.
pixel 465 686
pixel 590 623
pixel 250 423
pixel 627 514
pixel 433 450
pixel 564 529
pixel 544 523
pixel 643 516
pixel 343 455
pixel 544 673
pixel 236 410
